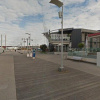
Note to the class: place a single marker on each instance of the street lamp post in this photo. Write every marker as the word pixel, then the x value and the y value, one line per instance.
pixel 1 40
pixel 5 43
pixel 31 42
pixel 27 44
pixel 60 4
pixel 23 39
pixel 29 51
pixel 29 39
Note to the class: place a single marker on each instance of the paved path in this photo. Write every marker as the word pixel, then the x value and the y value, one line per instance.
pixel 82 66
pixel 39 80
pixel 7 77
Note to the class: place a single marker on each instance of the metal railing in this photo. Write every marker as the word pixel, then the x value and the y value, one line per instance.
pixel 87 53
pixel 60 40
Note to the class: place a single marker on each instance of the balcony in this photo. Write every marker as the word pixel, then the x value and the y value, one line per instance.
pixel 57 41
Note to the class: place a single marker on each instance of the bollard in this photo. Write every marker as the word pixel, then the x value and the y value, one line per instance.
pixel 30 54
pixel 33 54
pixel 27 54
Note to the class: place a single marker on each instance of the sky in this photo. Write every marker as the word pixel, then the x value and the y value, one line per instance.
pixel 18 17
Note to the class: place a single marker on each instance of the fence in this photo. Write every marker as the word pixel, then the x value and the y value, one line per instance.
pixel 86 53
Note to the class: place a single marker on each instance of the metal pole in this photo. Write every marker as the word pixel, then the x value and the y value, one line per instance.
pixel 1 41
pixel 96 43
pixel 62 41
pixel 21 46
pixel 30 40
pixel 27 44
pixel 24 42
pixel 5 42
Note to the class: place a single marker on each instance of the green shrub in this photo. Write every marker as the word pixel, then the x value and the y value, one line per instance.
pixel 80 45
pixel 43 47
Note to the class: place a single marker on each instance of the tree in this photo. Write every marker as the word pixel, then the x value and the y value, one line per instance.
pixel 43 47
pixel 80 45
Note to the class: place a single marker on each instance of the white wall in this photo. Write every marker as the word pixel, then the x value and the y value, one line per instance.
pixel 98 59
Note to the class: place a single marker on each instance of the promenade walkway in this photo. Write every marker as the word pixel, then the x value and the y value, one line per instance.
pixel 39 80
pixel 23 78
pixel 82 66
pixel 7 77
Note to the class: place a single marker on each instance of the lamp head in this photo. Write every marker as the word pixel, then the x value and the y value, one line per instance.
pixel 57 3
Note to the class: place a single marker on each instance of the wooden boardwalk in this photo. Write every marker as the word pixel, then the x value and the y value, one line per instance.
pixel 39 80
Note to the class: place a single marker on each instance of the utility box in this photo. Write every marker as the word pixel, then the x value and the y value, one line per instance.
pixel 98 59
pixel 60 14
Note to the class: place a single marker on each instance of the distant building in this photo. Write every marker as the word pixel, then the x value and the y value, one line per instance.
pixel 71 37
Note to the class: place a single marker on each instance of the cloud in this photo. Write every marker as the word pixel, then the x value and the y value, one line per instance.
pixel 13 12
pixel 67 2
pixel 13 9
